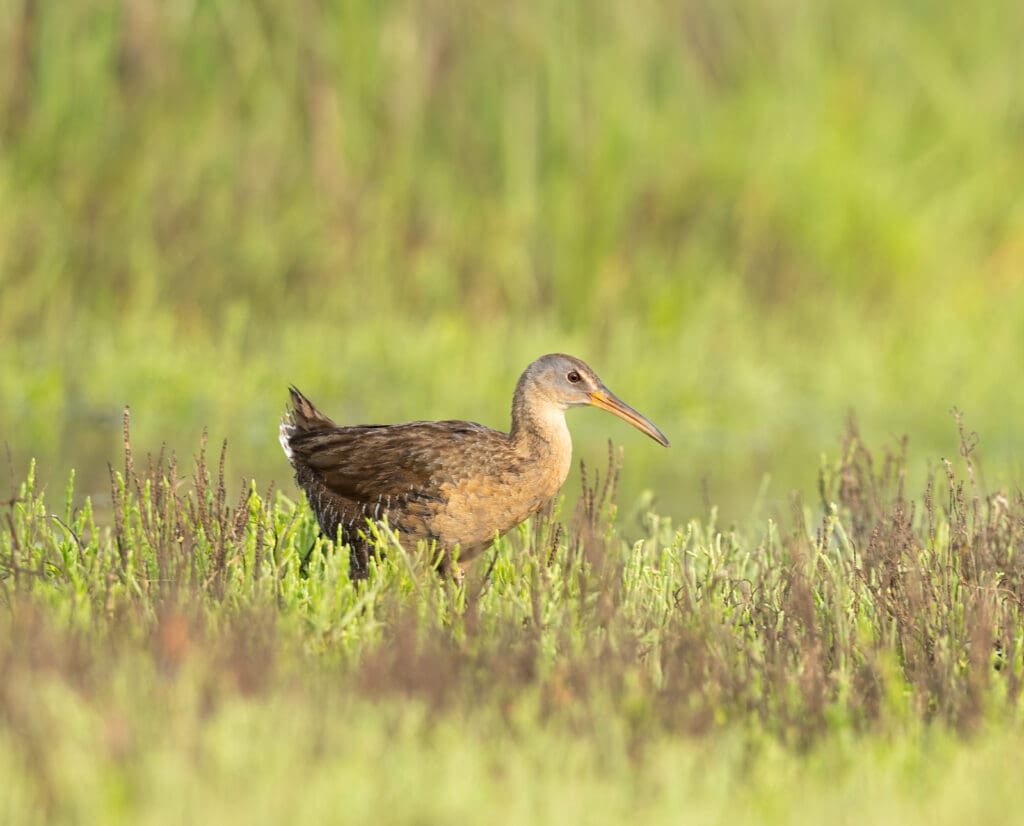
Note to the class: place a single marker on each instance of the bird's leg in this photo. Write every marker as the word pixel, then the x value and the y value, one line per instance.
pixel 305 559
pixel 446 565
pixel 358 561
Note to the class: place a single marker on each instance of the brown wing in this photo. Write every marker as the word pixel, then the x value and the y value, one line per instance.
pixel 352 473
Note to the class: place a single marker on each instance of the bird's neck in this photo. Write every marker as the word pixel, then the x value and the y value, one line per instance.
pixel 539 430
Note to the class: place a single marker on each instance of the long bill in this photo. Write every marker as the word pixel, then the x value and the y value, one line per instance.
pixel 607 400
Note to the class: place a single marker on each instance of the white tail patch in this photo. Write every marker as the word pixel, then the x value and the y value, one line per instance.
pixel 284 436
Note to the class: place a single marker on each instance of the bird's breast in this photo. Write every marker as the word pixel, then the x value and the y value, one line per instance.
pixel 479 507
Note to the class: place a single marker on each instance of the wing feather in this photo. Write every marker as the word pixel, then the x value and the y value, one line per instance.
pixel 352 473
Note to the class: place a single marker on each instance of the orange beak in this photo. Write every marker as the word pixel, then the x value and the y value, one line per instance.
pixel 607 400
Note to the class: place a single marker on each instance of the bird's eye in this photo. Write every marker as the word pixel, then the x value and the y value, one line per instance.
pixel 573 376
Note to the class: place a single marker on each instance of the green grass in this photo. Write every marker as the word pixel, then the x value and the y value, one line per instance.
pixel 181 663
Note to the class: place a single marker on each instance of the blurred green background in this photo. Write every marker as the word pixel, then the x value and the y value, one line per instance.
pixel 749 217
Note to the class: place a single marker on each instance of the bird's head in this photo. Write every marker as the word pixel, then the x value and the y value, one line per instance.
pixel 565 381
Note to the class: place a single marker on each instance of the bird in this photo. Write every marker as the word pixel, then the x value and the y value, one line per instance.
pixel 455 485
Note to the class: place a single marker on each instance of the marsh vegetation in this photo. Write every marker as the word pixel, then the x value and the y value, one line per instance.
pixel 751 218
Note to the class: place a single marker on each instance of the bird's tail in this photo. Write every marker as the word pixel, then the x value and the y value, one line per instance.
pixel 301 417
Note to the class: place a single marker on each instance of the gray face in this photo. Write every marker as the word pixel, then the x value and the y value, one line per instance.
pixel 568 382
pixel 565 380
